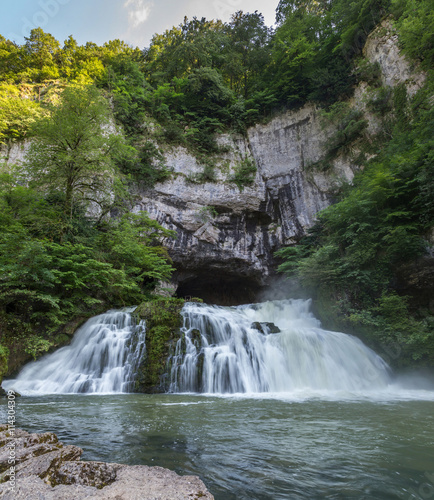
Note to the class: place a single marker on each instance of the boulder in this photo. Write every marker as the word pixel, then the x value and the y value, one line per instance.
pixel 46 469
pixel 265 327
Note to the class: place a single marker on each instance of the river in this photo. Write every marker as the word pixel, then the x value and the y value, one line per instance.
pixel 268 446
pixel 264 404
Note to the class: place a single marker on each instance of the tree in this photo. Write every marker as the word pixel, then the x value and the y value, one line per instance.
pixel 247 50
pixel 415 21
pixel 16 114
pixel 40 49
pixel 194 44
pixel 76 149
pixel 11 60
pixel 287 7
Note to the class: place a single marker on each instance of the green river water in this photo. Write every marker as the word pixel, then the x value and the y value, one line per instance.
pixel 259 447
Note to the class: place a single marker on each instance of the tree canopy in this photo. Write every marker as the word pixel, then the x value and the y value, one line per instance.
pixel 76 148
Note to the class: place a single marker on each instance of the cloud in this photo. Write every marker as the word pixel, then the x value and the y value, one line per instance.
pixel 138 11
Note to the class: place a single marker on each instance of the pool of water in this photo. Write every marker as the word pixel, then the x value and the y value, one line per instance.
pixel 256 447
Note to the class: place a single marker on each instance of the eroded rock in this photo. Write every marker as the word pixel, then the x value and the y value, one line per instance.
pixel 46 469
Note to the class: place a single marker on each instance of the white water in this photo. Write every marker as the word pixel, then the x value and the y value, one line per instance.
pixel 102 358
pixel 219 352
pixel 233 357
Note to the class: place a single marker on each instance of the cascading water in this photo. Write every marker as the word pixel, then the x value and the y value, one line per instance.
pixel 232 350
pixel 271 347
pixel 102 358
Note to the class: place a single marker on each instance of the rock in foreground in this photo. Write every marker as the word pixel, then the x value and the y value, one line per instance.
pixel 46 469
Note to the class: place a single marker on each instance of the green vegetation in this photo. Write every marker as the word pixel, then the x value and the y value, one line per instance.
pixel 206 214
pixel 415 22
pixel 16 115
pixel 163 320
pixel 203 77
pixel 244 174
pixel 362 245
pixel 349 125
pixel 60 256
pixel 4 355
pixel 73 152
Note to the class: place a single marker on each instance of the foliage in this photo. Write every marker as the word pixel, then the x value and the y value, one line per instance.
pixel 16 114
pixel 145 165
pixel 35 346
pixel 415 22
pixel 75 151
pixel 349 125
pixel 55 266
pixel 244 173
pixel 206 214
pixel 203 77
pixel 208 173
pixel 163 319
pixel 369 72
pixel 361 242
pixel 4 355
pixel 380 102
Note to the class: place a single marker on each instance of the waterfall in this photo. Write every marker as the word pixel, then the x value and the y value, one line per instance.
pixel 275 346
pixel 102 358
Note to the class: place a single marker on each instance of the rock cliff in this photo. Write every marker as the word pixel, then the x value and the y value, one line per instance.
pixel 227 236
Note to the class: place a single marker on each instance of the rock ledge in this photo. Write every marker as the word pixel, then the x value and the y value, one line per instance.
pixel 46 469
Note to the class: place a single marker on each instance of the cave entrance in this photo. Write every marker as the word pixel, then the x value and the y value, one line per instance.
pixel 220 290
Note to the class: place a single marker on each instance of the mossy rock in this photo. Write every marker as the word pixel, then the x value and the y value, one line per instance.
pixel 4 357
pixel 61 340
pixel 265 327
pixel 163 320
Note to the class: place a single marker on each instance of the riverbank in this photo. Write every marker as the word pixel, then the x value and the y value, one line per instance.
pixel 40 466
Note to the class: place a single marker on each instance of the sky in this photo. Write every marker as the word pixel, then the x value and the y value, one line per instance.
pixel 134 21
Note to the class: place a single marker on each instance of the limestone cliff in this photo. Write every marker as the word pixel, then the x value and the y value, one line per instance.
pixel 225 230
pixel 227 236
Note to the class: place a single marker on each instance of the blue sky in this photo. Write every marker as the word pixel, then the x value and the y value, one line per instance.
pixel 134 21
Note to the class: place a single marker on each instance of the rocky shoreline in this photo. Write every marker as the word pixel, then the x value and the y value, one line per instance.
pixel 44 468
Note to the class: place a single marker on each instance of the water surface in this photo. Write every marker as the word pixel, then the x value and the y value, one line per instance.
pixel 257 447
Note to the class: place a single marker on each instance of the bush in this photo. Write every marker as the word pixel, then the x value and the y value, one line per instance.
pixel 244 173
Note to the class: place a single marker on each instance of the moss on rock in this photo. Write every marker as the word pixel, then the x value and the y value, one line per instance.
pixel 163 320
pixel 4 356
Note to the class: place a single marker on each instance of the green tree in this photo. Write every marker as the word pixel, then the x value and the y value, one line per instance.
pixel 194 44
pixel 415 21
pixel 16 114
pixel 76 149
pixel 11 60
pixel 247 50
pixel 41 49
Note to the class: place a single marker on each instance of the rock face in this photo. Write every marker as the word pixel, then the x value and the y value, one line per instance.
pixel 46 469
pixel 226 236
pixel 382 46
pixel 225 256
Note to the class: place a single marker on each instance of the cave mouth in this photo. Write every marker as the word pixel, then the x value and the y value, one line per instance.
pixel 223 290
